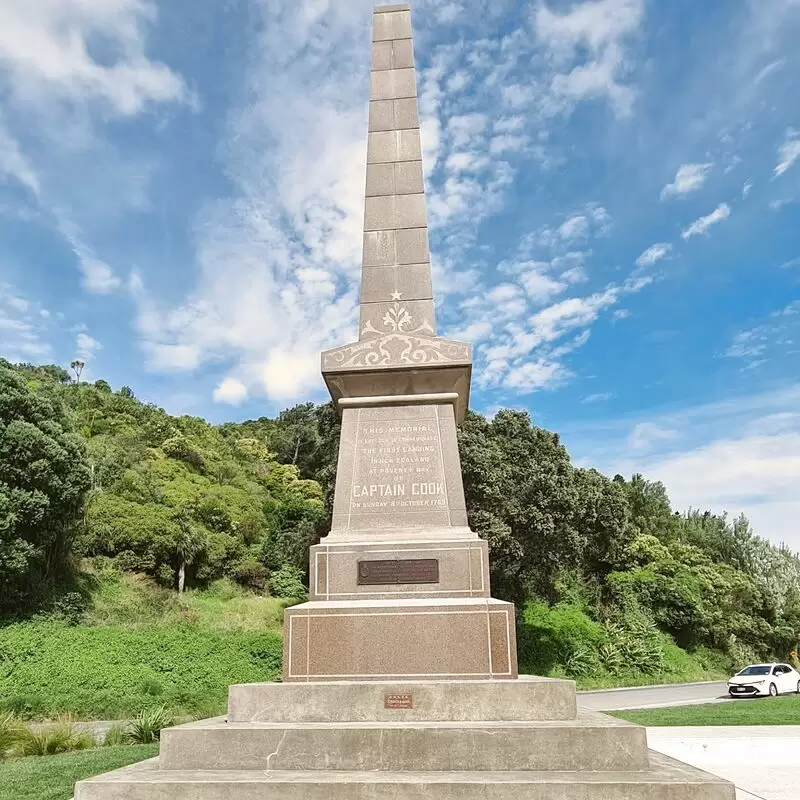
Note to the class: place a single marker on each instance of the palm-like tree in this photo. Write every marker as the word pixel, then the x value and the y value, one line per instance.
pixel 189 544
pixel 77 367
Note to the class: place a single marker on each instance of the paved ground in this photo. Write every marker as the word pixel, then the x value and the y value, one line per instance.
pixel 654 696
pixel 763 761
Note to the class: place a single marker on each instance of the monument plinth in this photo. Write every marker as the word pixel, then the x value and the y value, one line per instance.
pixel 400 673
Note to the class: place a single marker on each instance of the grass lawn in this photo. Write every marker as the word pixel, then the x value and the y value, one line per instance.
pixel 745 711
pixel 54 777
pixel 141 646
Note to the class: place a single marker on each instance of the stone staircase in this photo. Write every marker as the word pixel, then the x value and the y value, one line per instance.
pixel 450 740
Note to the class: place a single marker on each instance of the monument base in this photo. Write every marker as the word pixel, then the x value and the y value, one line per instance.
pixel 408 740
pixel 412 639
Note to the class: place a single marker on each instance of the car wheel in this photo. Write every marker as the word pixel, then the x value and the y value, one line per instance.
pixel 773 690
pixel 798 687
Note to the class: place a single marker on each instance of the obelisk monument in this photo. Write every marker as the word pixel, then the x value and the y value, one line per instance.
pixel 400 586
pixel 396 673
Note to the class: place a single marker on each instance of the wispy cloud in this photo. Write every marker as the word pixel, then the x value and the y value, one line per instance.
pixel 647 434
pixel 689 178
pixel 701 225
pixel 653 254
pixel 776 335
pixel 14 164
pixel 23 327
pixel 97 276
pixel 597 397
pixel 86 346
pixel 66 69
pixel 788 152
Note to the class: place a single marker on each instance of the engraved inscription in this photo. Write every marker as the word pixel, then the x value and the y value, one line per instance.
pixel 398 701
pixel 398 570
pixel 399 467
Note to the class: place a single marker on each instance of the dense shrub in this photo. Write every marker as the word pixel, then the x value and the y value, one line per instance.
pixel 556 635
pixel 287 582
pixel 146 727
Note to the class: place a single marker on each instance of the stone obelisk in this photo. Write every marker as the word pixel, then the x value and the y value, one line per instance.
pixel 400 586
pixel 390 687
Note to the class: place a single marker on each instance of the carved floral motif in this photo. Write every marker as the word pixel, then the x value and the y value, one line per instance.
pixel 398 320
pixel 396 349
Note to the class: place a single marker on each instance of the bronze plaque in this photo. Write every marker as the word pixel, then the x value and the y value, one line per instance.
pixel 398 570
pixel 398 701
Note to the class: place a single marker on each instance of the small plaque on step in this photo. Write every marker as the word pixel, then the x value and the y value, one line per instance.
pixel 398 701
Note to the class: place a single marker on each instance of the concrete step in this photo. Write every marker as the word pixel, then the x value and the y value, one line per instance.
pixel 591 742
pixel 665 780
pixel 526 699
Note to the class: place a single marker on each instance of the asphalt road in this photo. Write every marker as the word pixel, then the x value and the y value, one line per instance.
pixel 654 696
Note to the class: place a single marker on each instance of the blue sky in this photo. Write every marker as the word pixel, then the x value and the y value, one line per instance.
pixel 614 200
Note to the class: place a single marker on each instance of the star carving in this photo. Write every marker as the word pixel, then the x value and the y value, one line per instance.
pixel 396 295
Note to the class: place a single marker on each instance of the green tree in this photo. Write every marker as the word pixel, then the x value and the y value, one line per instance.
pixel 520 479
pixel 44 477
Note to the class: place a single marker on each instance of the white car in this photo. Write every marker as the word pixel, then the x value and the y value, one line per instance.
pixel 759 680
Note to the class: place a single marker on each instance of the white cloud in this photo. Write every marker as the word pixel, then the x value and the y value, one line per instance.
pixel 739 455
pixel 778 334
pixel 286 373
pixel 98 277
pixel 689 178
pixel 645 434
pixel 701 225
pixel 576 227
pixel 517 96
pixel 533 375
pixel 46 47
pixel 590 220
pixel 653 254
pixel 14 164
pixel 22 327
pixel 278 258
pixel 230 391
pixel 597 397
pixel 587 44
pixel 86 346
pixel 526 354
pixel 472 333
pixel 450 12
pixel 66 69
pixel 255 307
pixel 539 286
pixel 748 185
pixel 788 152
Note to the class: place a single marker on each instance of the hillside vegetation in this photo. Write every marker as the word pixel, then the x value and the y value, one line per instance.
pixel 122 527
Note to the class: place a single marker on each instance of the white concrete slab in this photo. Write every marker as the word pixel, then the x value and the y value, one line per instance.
pixel 763 761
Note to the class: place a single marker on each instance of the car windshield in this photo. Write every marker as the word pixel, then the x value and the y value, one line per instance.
pixel 757 670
